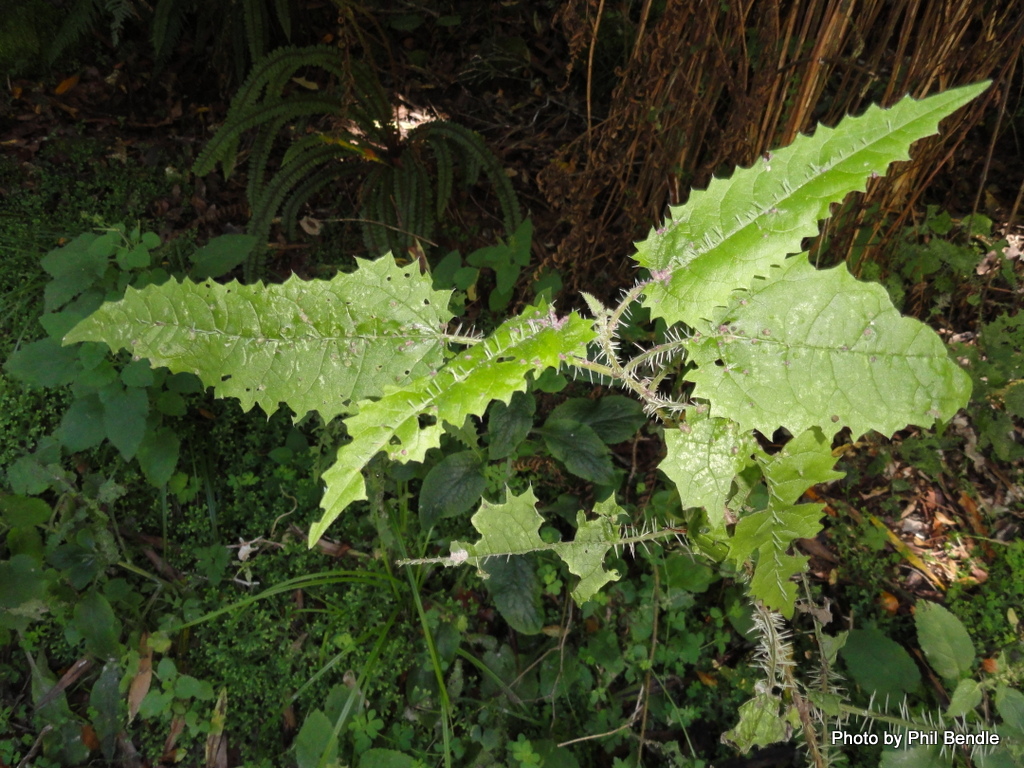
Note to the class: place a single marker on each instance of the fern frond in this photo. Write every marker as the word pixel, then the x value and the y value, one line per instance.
pixel 254 12
pixel 371 108
pixel 273 195
pixel 475 151
pixel 119 11
pixel 308 187
pixel 413 202
pixel 259 156
pixel 77 22
pixel 445 172
pixel 284 17
pixel 238 124
pixel 375 192
pixel 168 19
pixel 274 70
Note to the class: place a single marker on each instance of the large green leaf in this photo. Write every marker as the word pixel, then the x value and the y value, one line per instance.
pixel 314 345
pixel 740 227
pixel 492 370
pixel 812 348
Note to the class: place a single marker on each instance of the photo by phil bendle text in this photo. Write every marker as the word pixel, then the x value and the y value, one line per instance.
pixel 916 738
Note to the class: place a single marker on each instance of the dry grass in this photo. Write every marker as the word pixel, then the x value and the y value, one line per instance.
pixel 711 85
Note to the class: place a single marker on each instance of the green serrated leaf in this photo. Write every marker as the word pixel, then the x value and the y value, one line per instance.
pixel 1010 706
pixel 491 370
pixel 702 458
pixel 739 228
pixel 812 348
pixel 770 533
pixel 158 455
pixel 578 447
pixel 944 640
pixel 21 511
pixel 512 528
pixel 451 487
pixel 314 345
pixel 804 461
pixel 760 724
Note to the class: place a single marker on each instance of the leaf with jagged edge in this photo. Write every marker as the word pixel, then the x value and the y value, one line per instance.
pixel 492 370
pixel 314 345
pixel 703 456
pixel 512 528
pixel 740 227
pixel 804 461
pixel 770 533
pixel 813 348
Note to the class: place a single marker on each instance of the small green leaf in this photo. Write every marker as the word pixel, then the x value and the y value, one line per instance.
pixel 81 427
pixel 188 687
pixel 22 511
pixel 316 738
pixel 95 621
pixel 880 666
pixel 21 581
pixel 137 374
pixel 965 698
pixel 124 417
pixel 508 425
pixel 221 255
pixel 158 455
pixel 703 456
pixel 136 258
pixel 923 756
pixel 1010 706
pixel 614 418
pixel 944 640
pixel 760 724
pixel 578 447
pixel 385 758
pixel 451 487
pixel 43 363
pixel 105 699
pixel 512 529
pixel 516 590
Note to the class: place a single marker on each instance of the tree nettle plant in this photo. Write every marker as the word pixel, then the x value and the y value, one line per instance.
pixel 764 340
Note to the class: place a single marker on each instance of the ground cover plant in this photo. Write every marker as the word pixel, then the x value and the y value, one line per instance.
pixel 373 346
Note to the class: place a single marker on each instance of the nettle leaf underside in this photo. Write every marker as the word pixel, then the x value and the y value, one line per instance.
pixel 740 227
pixel 495 369
pixel 314 345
